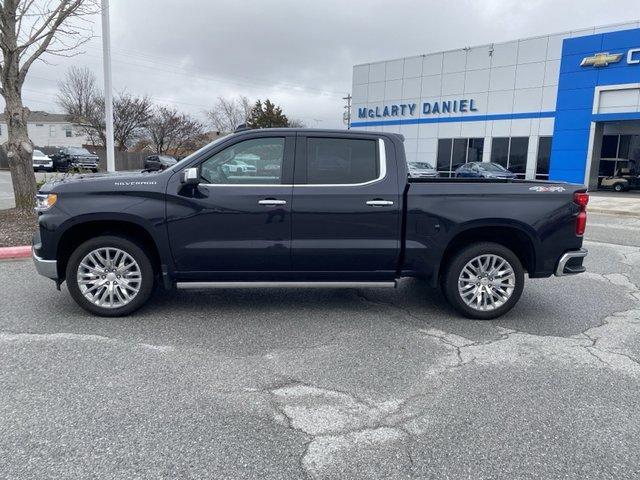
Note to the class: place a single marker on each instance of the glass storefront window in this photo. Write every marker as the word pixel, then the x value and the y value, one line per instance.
pixel 475 150
pixel 444 155
pixel 619 151
pixel 500 151
pixel 606 168
pixel 511 153
pixel 544 154
pixel 518 155
pixel 454 152
pixel 459 155
pixel 623 146
pixel 609 146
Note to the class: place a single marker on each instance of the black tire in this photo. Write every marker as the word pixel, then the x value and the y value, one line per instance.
pixel 131 248
pixel 618 187
pixel 454 268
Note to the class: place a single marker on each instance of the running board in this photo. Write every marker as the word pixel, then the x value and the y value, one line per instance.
pixel 201 285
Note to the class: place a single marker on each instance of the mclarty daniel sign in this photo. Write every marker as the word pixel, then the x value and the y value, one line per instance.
pixel 411 109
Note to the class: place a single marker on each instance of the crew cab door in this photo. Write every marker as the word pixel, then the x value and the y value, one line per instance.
pixel 346 207
pixel 235 221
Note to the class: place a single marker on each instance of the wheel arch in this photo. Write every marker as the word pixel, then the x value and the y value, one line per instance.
pixel 79 232
pixel 514 237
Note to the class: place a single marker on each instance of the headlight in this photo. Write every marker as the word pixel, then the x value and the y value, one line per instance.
pixel 44 201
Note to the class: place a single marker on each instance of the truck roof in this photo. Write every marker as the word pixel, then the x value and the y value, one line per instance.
pixel 319 130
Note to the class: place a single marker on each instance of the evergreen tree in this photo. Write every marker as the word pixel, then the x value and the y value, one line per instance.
pixel 267 115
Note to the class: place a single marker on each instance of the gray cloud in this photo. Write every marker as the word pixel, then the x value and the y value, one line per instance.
pixel 299 53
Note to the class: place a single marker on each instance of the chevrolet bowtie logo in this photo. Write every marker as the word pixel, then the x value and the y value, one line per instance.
pixel 601 59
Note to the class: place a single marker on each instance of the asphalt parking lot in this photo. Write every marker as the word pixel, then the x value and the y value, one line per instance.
pixel 276 383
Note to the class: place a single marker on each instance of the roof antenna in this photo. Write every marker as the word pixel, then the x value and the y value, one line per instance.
pixel 241 128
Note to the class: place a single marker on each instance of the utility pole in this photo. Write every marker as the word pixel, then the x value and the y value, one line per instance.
pixel 108 89
pixel 347 114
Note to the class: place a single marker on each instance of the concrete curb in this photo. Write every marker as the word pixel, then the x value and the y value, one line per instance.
pixel 607 211
pixel 10 253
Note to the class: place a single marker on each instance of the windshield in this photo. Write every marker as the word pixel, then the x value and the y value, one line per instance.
pixel 38 153
pixel 421 165
pixel 78 151
pixel 493 167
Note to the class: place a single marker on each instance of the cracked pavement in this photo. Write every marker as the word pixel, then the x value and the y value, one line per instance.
pixel 279 383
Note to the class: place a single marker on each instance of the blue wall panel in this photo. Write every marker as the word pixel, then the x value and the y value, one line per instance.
pixel 573 119
pixel 572 140
pixel 576 89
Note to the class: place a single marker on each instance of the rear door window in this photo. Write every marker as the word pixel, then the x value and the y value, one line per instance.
pixel 341 161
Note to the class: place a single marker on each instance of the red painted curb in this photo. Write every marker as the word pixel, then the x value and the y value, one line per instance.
pixel 7 253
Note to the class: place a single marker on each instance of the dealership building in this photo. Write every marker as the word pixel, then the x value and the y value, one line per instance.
pixel 563 106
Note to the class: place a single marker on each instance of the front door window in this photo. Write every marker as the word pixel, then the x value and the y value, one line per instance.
pixel 256 162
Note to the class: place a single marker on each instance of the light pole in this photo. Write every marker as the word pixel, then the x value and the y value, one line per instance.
pixel 108 89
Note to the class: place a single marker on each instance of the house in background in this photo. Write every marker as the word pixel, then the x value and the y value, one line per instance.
pixel 48 130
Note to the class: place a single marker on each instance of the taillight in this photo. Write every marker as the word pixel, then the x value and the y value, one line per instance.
pixel 581 199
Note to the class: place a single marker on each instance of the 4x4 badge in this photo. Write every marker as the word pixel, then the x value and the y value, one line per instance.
pixel 541 188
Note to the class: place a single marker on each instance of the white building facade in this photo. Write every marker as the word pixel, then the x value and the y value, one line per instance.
pixel 545 107
pixel 48 130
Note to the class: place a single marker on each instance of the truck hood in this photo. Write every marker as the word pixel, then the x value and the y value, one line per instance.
pixel 99 181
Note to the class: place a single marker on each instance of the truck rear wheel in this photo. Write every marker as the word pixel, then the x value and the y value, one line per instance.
pixel 110 276
pixel 483 281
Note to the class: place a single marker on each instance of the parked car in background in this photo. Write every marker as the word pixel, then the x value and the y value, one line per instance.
pixel 483 170
pixel 41 161
pixel 159 162
pixel 238 167
pixel 70 158
pixel 422 170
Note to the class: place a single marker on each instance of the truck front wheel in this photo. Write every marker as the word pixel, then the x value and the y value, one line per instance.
pixel 483 281
pixel 110 276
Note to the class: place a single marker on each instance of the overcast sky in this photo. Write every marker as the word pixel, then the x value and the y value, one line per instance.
pixel 298 53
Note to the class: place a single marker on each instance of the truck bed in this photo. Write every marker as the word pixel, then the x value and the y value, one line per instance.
pixel 440 211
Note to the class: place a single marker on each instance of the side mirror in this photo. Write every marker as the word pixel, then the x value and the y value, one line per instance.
pixel 190 176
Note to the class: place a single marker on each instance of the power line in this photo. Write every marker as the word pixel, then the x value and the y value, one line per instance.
pixel 250 81
pixel 158 99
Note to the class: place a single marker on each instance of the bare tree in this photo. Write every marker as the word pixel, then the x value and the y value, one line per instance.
pixel 30 29
pixel 227 114
pixel 80 98
pixel 296 123
pixel 172 132
pixel 130 117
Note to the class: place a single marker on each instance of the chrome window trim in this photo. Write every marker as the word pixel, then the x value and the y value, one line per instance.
pixel 247 184
pixel 382 175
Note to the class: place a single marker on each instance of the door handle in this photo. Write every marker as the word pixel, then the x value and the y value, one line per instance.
pixel 272 201
pixel 379 203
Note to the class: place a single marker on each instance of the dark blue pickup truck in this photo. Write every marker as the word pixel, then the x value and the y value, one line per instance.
pixel 304 207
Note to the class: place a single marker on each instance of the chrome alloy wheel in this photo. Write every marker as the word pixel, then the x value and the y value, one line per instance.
pixel 109 277
pixel 486 282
